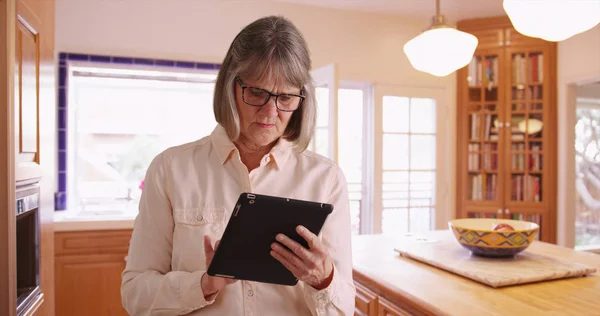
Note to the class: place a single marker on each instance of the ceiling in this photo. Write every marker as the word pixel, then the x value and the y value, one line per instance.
pixel 453 9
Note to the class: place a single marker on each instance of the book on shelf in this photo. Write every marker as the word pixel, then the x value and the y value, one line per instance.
pixel 520 70
pixel 533 160
pixel 490 131
pixel 483 186
pixel 526 188
pixel 490 157
pixel 483 72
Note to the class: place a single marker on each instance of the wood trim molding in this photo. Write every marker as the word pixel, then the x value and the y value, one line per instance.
pixel 7 161
pixel 484 23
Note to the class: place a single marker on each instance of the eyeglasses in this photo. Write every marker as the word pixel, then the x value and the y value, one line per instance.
pixel 286 102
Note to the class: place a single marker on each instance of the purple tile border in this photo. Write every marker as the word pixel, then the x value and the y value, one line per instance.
pixel 60 197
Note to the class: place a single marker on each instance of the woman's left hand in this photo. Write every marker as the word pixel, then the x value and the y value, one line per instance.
pixel 312 266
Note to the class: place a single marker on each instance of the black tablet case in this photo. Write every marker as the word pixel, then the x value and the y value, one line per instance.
pixel 244 249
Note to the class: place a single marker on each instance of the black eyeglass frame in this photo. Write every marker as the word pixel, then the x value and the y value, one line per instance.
pixel 271 94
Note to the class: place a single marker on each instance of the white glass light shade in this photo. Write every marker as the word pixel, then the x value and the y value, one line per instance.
pixel 552 20
pixel 440 51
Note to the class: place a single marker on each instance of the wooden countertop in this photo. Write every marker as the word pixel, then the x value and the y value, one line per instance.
pixel 428 290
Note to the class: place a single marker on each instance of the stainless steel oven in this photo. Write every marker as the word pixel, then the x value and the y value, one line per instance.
pixel 28 246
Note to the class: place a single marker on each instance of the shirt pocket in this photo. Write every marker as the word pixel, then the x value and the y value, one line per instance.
pixel 209 220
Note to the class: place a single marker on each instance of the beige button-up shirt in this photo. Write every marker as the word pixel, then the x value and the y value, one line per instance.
pixel 190 191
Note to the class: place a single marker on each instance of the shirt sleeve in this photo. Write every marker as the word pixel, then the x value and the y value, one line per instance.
pixel 149 287
pixel 339 297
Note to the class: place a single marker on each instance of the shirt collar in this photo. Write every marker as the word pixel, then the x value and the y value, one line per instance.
pixel 280 153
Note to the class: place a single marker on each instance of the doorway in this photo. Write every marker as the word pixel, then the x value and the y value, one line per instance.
pixel 587 163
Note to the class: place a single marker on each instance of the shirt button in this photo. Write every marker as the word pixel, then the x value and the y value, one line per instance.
pixel 247 191
pixel 267 159
pixel 200 218
pixel 250 293
pixel 321 296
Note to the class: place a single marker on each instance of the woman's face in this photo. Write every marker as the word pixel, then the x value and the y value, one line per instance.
pixel 262 125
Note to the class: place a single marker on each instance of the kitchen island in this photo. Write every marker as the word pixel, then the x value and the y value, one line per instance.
pixel 389 284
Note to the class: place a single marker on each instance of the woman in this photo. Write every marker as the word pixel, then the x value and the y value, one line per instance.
pixel 265 106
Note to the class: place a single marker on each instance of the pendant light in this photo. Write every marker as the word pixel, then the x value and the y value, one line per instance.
pixel 441 49
pixel 552 20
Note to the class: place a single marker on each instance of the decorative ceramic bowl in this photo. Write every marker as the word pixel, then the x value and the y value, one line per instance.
pixel 477 235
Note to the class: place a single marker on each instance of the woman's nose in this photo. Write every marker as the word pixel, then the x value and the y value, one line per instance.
pixel 270 109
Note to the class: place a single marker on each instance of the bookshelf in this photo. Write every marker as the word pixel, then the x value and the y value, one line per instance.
pixel 506 154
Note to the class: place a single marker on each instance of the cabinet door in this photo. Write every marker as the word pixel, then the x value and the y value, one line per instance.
pixel 387 308
pixel 27 54
pixel 89 285
pixel 481 108
pixel 365 301
pixel 529 137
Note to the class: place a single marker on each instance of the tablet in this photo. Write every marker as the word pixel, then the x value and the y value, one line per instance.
pixel 244 249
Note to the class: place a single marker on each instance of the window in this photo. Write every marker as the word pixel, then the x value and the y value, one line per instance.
pixel 350 148
pixel 404 197
pixel 121 119
pixel 408 164
pixel 351 130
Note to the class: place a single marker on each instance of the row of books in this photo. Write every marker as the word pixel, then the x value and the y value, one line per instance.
pixel 520 93
pixel 483 187
pixel 490 132
pixel 526 188
pixel 523 187
pixel 483 72
pixel 490 160
pixel 522 74
pixel 534 160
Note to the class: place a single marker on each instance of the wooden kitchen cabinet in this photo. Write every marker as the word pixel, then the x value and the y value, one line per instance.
pixel 506 127
pixel 29 52
pixel 387 308
pixel 369 302
pixel 365 301
pixel 88 267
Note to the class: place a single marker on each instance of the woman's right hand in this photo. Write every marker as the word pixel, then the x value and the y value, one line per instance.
pixel 212 285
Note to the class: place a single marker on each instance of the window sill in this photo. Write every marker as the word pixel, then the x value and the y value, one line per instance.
pixel 73 221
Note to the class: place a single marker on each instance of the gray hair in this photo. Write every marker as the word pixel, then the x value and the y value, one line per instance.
pixel 270 48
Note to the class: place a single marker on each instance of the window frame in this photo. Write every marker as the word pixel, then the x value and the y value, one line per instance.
pixel 65 197
pixel 366 205
pixel 444 146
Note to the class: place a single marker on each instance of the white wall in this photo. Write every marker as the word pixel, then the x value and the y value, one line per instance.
pixel 366 46
pixel 578 62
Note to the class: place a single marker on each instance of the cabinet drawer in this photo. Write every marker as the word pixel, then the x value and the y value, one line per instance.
pixel 92 242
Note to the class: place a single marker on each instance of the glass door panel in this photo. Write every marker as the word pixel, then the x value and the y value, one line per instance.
pixel 484 123
pixel 526 128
